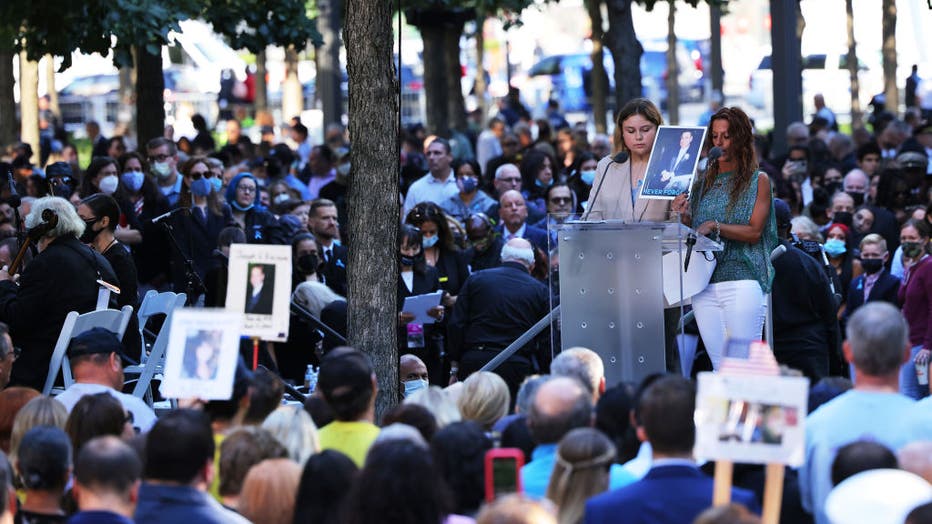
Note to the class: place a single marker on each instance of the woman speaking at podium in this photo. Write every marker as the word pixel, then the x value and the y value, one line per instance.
pixel 617 186
pixel 733 204
pixel 618 178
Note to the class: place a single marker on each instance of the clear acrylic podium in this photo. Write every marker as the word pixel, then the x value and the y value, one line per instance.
pixel 611 290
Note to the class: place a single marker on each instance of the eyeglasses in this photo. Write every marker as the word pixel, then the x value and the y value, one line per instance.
pixel 511 179
pixel 561 200
pixel 196 175
pixel 246 189
pixel 158 158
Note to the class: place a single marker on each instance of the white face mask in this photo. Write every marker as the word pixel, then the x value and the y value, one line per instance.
pixel 162 169
pixel 108 184
pixel 281 197
pixel 343 169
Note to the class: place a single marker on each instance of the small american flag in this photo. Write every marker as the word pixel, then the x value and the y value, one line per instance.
pixel 756 360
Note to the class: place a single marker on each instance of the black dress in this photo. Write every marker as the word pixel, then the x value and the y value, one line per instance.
pixel 122 262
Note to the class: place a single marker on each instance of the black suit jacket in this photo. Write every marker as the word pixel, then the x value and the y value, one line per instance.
pixel 495 307
pixel 885 289
pixel 198 241
pixel 334 270
pixel 263 305
pixel 62 278
pixel 536 236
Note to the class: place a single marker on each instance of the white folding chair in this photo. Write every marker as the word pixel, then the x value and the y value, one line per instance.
pixel 154 303
pixel 113 320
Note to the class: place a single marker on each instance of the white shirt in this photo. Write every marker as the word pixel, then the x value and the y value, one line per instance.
pixel 143 416
pixel 408 278
pixel 429 189
pixel 507 235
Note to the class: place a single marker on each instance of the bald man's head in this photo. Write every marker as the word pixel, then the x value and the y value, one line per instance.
pixel 412 368
pixel 561 404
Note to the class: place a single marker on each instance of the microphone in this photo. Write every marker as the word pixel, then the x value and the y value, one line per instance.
pixel 163 216
pixel 690 242
pixel 777 252
pixel 714 154
pixel 620 158
pixel 14 199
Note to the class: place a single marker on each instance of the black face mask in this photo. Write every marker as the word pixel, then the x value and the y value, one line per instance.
pixel 842 217
pixel 872 265
pixel 832 187
pixel 857 197
pixel 406 260
pixel 89 234
pixel 308 263
pixel 912 249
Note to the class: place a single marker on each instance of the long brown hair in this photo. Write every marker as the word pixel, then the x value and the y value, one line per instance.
pixel 742 150
pixel 635 106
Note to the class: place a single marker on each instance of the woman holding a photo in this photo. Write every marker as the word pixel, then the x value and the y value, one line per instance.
pixel 733 204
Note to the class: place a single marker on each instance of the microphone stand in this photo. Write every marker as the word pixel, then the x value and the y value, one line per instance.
pixel 194 285
pixel 620 158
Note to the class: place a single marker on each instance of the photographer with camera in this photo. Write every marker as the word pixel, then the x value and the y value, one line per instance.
pixel 805 327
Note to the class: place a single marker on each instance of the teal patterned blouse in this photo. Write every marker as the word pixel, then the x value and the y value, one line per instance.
pixel 738 260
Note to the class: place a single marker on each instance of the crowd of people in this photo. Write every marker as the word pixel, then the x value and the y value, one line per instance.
pixel 835 230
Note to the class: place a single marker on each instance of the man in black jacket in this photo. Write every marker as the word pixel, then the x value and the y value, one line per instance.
pixel 493 309
pixel 805 327
pixel 60 279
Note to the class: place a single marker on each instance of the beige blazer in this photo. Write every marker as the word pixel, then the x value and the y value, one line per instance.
pixel 613 200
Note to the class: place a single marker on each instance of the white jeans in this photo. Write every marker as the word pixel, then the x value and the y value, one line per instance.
pixel 729 310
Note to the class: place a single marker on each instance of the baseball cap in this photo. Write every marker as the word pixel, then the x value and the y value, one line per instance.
pixel 344 372
pixel 96 341
pixel 912 159
pixel 783 214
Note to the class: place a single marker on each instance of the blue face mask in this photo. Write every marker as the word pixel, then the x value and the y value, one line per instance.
pixel 217 184
pixel 588 177
pixel 549 183
pixel 201 187
pixel 835 247
pixel 415 385
pixel 133 180
pixel 427 242
pixel 469 184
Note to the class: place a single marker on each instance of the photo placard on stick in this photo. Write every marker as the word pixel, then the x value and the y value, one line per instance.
pixel 259 288
pixel 200 360
pixel 673 161
pixel 751 419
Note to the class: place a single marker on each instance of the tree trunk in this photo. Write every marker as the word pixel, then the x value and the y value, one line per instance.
pixel 787 73
pixel 673 72
pixel 626 51
pixel 52 91
pixel 327 56
pixel 292 94
pixel 715 58
pixel 456 107
pixel 29 103
pixel 853 69
pixel 150 103
pixel 373 191
pixel 261 101
pixel 126 112
pixel 435 79
pixel 7 102
pixel 889 56
pixel 481 89
pixel 598 81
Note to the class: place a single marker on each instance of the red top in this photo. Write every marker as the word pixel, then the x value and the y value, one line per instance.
pixel 915 295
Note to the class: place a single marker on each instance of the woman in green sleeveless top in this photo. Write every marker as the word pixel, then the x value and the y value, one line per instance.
pixel 733 204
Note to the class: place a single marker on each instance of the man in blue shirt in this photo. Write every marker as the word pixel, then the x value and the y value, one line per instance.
pixel 179 467
pixel 561 404
pixel 674 490
pixel 877 345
